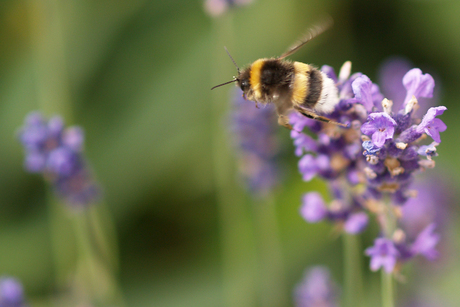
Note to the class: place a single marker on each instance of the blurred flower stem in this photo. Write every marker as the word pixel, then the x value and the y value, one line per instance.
pixel 237 239
pixel 389 222
pixel 387 289
pixel 95 270
pixel 272 274
pixel 353 282
pixel 96 266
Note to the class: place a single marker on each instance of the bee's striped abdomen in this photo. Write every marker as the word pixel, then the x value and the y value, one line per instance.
pixel 315 87
pixel 312 89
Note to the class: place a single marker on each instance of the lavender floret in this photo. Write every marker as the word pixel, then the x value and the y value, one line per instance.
pixel 316 289
pixel 11 293
pixel 256 144
pixel 56 153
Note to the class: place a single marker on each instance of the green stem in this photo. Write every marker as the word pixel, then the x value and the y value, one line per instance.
pixel 94 273
pixel 387 289
pixel 390 224
pixel 353 281
pixel 273 280
pixel 62 244
pixel 238 255
pixel 104 233
pixel 47 38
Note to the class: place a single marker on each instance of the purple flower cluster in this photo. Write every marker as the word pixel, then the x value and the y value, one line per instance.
pixel 56 152
pixel 11 293
pixel 370 166
pixel 218 7
pixel 317 289
pixel 257 145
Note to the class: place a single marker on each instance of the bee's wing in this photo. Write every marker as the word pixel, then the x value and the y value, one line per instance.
pixel 311 33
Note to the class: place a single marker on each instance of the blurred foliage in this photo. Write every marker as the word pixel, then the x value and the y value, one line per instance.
pixel 138 75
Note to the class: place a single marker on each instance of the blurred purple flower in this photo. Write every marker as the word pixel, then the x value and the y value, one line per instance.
pixel 216 8
pixel 256 143
pixel 356 223
pixel 56 152
pixel 313 208
pixel 317 289
pixel 383 254
pixel 425 243
pixel 11 293
pixel 391 73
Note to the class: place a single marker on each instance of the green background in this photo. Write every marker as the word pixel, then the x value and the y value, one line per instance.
pixel 136 75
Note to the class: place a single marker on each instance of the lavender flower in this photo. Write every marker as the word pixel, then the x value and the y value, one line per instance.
pixel 218 7
pixel 356 223
pixel 11 293
pixel 379 155
pixel 317 289
pixel 391 73
pixel 418 84
pixel 56 153
pixel 380 126
pixel 256 143
pixel 429 206
pixel 383 254
pixel 313 209
pixel 432 125
pixel 425 243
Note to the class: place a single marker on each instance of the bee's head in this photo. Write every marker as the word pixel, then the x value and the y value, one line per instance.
pixel 243 80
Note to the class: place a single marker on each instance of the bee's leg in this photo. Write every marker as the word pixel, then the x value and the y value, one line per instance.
pixel 282 109
pixel 283 120
pixel 313 115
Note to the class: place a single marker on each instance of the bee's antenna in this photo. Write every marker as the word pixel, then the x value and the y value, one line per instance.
pixel 234 80
pixel 232 60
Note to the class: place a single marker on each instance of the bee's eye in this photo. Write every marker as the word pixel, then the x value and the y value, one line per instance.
pixel 244 85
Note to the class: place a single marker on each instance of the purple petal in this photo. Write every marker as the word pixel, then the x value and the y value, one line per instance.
pixel 378 138
pixel 430 115
pixel 356 223
pixel 368 128
pixel 383 127
pixel 35 162
pixel 313 208
pixel 383 253
pixel 322 162
pixel 425 243
pixel 418 84
pixel 376 263
pixel 316 289
pixel 73 138
pixel 329 71
pixel 11 292
pixel 428 150
pixel 303 142
pixel 388 264
pixel 432 125
pixel 62 161
pixel 307 167
pixel 434 133
pixel 55 126
pixel 362 88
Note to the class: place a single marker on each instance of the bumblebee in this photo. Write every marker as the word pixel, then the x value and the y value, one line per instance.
pixel 290 85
